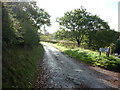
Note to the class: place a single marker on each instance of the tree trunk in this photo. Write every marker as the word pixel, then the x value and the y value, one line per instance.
pixel 78 43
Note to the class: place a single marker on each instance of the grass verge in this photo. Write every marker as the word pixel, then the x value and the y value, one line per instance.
pixel 91 57
pixel 20 67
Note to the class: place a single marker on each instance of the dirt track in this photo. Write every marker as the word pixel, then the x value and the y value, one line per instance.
pixel 62 71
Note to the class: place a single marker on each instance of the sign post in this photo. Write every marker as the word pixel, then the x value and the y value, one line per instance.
pixel 107 50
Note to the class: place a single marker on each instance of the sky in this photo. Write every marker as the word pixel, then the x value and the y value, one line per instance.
pixel 105 9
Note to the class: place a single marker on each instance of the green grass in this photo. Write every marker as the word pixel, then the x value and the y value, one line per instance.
pixel 20 67
pixel 90 57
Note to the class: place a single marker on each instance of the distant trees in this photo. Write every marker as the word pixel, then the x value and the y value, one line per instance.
pixel 46 36
pixel 79 22
pixel 21 22
pixel 61 35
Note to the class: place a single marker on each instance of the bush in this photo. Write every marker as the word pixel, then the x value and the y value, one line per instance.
pixel 117 49
pixel 31 38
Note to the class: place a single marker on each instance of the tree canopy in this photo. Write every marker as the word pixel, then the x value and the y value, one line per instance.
pixel 21 22
pixel 80 22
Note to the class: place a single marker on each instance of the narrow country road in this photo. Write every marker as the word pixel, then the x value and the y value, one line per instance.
pixel 62 71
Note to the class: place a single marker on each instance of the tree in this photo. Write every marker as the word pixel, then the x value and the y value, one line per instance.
pixel 46 36
pixel 61 34
pixel 74 21
pixel 10 26
pixel 96 24
pixel 21 21
pixel 103 38
pixel 80 22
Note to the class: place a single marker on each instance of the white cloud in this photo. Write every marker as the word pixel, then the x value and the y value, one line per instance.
pixel 106 9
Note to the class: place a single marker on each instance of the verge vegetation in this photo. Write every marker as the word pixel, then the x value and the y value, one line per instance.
pixel 21 51
pixel 20 67
pixel 90 57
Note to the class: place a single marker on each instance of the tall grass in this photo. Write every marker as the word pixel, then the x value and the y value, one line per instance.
pixel 20 66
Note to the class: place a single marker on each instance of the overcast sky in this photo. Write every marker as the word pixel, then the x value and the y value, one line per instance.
pixel 106 9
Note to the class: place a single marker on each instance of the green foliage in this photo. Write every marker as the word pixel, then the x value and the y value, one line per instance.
pixel 20 67
pixel 76 22
pixel 117 49
pixel 9 32
pixel 31 38
pixel 112 47
pixel 46 37
pixel 61 35
pixel 102 38
pixel 20 41
pixel 30 35
pixel 91 57
pixel 68 44
pixel 21 21
pixel 79 22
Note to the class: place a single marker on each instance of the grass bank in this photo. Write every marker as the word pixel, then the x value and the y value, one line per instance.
pixel 91 57
pixel 20 67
